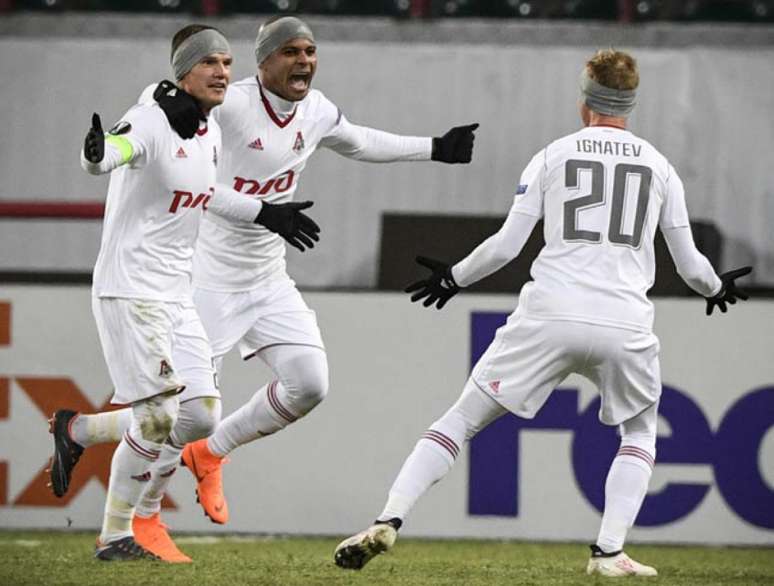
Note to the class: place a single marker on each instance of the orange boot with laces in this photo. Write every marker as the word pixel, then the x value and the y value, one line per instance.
pixel 151 534
pixel 206 467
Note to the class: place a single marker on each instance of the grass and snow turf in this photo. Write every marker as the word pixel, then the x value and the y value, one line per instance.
pixel 52 558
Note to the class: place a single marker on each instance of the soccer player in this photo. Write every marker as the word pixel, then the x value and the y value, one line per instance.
pixel 271 123
pixel 155 347
pixel 601 191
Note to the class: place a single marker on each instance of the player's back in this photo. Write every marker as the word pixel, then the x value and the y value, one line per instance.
pixel 603 194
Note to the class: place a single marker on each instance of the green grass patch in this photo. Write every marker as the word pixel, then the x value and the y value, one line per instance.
pixel 64 558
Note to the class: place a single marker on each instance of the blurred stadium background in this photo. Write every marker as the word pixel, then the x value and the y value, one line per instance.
pixel 412 67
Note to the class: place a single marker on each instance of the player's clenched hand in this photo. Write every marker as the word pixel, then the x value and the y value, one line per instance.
pixel 729 292
pixel 456 146
pixel 180 108
pixel 439 286
pixel 287 220
pixel 94 145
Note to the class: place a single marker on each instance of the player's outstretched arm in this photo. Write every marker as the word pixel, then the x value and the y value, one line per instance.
pixel 496 251
pixel 437 288
pixel 101 156
pixel 456 146
pixel 287 220
pixel 694 268
pixel 377 146
pixel 181 109
pixel 491 255
pixel 729 292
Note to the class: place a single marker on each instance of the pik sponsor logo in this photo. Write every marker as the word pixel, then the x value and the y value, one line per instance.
pixel 279 184
pixel 47 394
pixel 186 199
pixel 733 450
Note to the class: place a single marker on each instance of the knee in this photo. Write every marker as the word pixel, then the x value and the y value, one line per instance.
pixel 155 417
pixel 198 419
pixel 644 440
pixel 311 389
pixel 315 387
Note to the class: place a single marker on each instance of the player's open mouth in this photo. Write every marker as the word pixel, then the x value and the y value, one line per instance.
pixel 299 81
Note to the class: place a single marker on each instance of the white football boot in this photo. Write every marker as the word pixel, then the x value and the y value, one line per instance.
pixel 355 552
pixel 616 565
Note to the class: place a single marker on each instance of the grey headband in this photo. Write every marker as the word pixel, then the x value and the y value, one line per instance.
pixel 197 47
pixel 275 34
pixel 605 100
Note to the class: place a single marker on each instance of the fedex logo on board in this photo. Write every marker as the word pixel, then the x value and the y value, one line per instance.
pixel 732 450
pixel 47 394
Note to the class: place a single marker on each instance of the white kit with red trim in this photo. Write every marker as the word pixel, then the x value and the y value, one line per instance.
pixel 153 210
pixel 602 192
pixel 267 141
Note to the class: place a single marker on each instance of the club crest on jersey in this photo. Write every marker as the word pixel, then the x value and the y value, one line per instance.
pixel 256 144
pixel 521 189
pixel 121 127
pixel 495 386
pixel 165 369
pixel 180 154
pixel 298 146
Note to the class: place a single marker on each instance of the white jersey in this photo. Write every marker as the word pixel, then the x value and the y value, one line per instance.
pixel 154 206
pixel 267 142
pixel 602 192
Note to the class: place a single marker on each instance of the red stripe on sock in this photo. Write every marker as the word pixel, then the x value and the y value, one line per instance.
pixel 639 450
pixel 446 438
pixel 443 440
pixel 275 403
pixel 636 453
pixel 440 443
pixel 151 455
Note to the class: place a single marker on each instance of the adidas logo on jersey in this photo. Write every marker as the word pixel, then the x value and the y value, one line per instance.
pixel 181 154
pixel 256 144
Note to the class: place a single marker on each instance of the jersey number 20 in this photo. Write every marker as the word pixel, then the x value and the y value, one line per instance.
pixel 615 232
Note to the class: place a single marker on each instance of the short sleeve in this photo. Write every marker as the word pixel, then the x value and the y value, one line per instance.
pixel 674 213
pixel 528 198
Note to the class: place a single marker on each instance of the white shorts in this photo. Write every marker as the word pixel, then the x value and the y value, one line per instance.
pixel 153 347
pixel 529 358
pixel 253 320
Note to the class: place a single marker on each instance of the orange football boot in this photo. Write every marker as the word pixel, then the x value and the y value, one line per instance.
pixel 151 534
pixel 206 467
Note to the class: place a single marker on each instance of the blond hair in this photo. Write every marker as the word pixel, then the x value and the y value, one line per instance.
pixel 614 69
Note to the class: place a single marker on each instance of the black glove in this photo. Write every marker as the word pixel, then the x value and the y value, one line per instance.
pixel 439 286
pixel 181 109
pixel 729 292
pixel 287 220
pixel 94 145
pixel 456 146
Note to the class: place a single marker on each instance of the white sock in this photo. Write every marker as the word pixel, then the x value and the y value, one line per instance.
pixel 265 413
pixel 132 460
pixel 129 473
pixel 160 474
pixel 196 419
pixel 625 489
pixel 99 428
pixel 436 451
pixel 430 461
